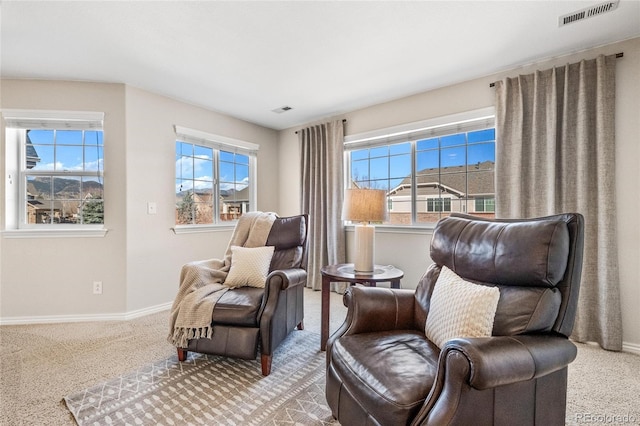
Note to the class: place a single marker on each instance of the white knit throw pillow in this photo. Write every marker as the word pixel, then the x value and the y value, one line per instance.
pixel 249 266
pixel 459 308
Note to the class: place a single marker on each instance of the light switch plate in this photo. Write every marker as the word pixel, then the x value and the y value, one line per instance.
pixel 152 208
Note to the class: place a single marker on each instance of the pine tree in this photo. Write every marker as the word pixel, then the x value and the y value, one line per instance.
pixel 186 209
pixel 93 210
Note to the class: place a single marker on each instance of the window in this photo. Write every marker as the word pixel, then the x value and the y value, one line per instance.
pixel 438 204
pixel 214 178
pixel 234 185
pixel 428 169
pixel 485 205
pixel 57 159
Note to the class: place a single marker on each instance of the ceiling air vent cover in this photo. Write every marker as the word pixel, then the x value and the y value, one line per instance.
pixel 282 109
pixel 588 12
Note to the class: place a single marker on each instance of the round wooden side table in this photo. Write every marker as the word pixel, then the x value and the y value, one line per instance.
pixel 344 272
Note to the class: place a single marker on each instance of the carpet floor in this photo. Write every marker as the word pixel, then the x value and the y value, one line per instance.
pixel 42 364
pixel 214 390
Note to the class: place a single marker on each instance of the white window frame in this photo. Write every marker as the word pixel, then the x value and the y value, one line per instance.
pixel 219 143
pixel 412 132
pixel 485 203
pixel 443 204
pixel 16 123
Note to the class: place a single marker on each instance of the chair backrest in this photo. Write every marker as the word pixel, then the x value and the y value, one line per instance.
pixel 536 264
pixel 289 237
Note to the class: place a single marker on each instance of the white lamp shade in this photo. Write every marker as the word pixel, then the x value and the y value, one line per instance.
pixel 365 205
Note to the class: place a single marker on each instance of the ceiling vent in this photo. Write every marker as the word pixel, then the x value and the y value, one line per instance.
pixel 579 15
pixel 282 109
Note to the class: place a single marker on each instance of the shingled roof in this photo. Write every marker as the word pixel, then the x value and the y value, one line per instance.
pixel 32 154
pixel 452 180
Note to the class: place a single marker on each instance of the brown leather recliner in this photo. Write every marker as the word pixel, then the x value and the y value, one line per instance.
pixel 246 318
pixel 382 370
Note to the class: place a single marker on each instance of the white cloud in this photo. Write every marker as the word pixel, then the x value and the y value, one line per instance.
pixel 193 166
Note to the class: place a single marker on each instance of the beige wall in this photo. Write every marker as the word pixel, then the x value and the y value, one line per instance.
pixel 400 248
pixel 139 259
pixel 53 276
pixel 154 252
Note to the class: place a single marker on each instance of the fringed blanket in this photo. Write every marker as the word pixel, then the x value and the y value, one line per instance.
pixel 202 282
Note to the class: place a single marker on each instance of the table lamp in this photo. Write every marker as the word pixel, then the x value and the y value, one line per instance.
pixel 364 206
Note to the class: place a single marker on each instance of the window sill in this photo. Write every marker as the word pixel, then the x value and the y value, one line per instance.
pixel 196 229
pixel 55 233
pixel 399 229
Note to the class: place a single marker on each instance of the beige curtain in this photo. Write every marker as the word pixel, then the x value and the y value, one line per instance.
pixel 322 148
pixel 555 153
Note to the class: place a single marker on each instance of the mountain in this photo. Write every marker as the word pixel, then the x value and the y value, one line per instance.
pixel 63 188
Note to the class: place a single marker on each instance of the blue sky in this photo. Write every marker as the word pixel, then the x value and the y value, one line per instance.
pixel 393 162
pixel 67 151
pixel 194 164
pixel 194 168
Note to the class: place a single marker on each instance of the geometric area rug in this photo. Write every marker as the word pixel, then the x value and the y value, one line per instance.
pixel 214 390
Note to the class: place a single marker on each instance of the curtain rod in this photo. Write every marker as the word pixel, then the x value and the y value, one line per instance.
pixel 618 55
pixel 344 120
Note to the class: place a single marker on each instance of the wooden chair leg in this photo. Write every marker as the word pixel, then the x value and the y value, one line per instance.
pixel 265 360
pixel 300 326
pixel 182 354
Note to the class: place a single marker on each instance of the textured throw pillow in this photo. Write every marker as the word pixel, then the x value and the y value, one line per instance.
pixel 459 308
pixel 249 266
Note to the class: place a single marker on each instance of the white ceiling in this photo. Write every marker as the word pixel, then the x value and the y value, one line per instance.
pixel 245 58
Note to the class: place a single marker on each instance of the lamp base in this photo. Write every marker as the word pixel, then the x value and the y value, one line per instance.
pixel 364 244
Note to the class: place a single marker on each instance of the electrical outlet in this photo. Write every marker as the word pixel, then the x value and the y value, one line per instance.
pixel 97 287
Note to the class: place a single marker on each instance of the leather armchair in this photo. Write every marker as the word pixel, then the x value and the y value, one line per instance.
pixel 382 369
pixel 248 318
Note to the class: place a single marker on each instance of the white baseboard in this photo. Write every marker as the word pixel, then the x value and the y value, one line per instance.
pixel 633 348
pixel 147 311
pixel 52 319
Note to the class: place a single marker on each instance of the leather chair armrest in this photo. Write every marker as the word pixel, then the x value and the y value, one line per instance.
pixel 287 278
pixel 281 280
pixel 280 287
pixel 503 360
pixel 372 309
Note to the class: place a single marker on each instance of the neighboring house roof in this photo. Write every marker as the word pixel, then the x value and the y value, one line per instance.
pixel 236 196
pixel 426 188
pixel 202 197
pixel 46 205
pixel 32 154
pixel 230 195
pixel 452 180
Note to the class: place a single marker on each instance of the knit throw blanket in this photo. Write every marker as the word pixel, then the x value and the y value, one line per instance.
pixel 202 282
